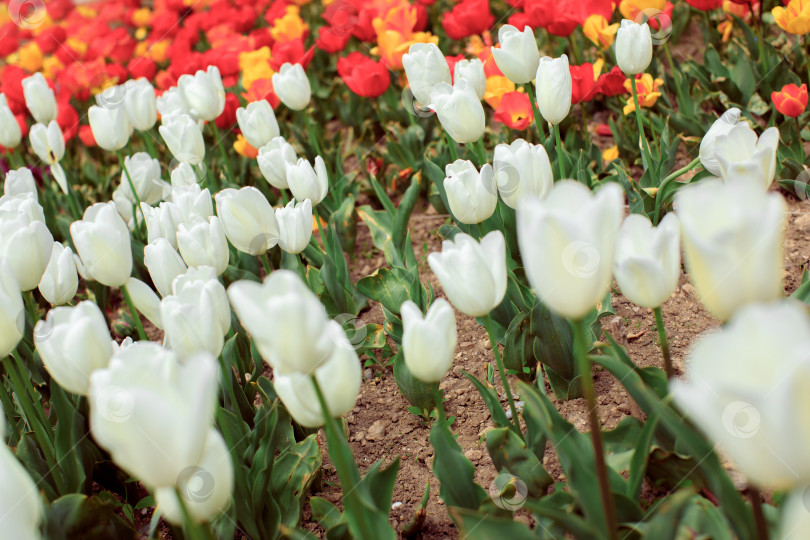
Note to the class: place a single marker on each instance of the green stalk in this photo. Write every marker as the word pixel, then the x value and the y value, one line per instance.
pixel 452 145
pixel 560 151
pixel 645 147
pixel 438 397
pixel 150 146
pixel 73 204
pixel 481 152
pixel 667 180
pixel 134 312
pixel 222 152
pixel 191 530
pixel 17 159
pixel 537 123
pixel 581 346
pixel 313 139
pixel 502 371
pixel 132 189
pixel 266 264
pixel 662 337
pixel 8 406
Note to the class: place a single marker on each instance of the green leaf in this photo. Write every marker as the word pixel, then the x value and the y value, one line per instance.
pixel 475 526
pixel 418 393
pixel 76 516
pixel 491 400
pixel 389 287
pixel 509 453
pixel 454 471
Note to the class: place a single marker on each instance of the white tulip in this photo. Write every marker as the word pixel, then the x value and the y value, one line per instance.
pixel 19 182
pixel 721 126
pixel 553 84
pixel 648 259
pixel 21 510
pixel 140 103
pixel 206 488
pixel 48 142
pixel 191 324
pixel 472 196
pixel 339 379
pixel 73 342
pixel 459 110
pixel 746 387
pixel 307 182
pixel 294 226
pixel 192 202
pixel 522 169
pixel 795 515
pixel 202 243
pixel 203 94
pixel 102 241
pixel 258 123
pixel 425 67
pixel 286 321
pixel 144 172
pixel 183 137
pixel 60 281
pixel 161 222
pixel 187 175
pixel 203 281
pixel 164 264
pixel 292 87
pixel 472 71
pixel 110 127
pixel 633 47
pixel 518 56
pixel 567 241
pixel 152 413
pixel 25 241
pixel 273 159
pixel 10 132
pixel 39 98
pixel 171 103
pixel 12 316
pixel 248 219
pixel 742 157
pixel 472 274
pixel 429 342
pixel 732 237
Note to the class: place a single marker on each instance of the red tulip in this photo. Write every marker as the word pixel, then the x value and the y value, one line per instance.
pixel 515 110
pixel 467 18
pixel 791 100
pixel 364 76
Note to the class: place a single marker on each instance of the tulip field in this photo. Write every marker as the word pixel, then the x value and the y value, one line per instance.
pixel 378 269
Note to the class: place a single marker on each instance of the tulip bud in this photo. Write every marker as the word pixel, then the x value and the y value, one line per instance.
pixel 203 94
pixel 553 83
pixel 203 280
pixel 19 495
pixel 206 488
pixel 721 126
pixel 10 132
pixel 518 56
pixel 425 67
pixel 339 378
pixel 633 47
pixel 144 383
pixel 184 138
pixel 286 321
pixel 144 173
pixel 248 219
pixel 292 86
pixel 12 316
pixel 186 175
pixel 567 241
pixel 746 388
pixel 472 195
pixel 521 170
pixel 140 104
pixel 39 98
pixel 294 226
pixel 459 110
pixel 306 182
pixel 110 127
pixel 732 241
pixel 102 241
pixel 429 342
pixel 472 274
pixel 19 182
pixel 25 241
pixel 648 259
pixel 60 281
pixel 191 324
pixel 145 301
pixel 202 243
pixel 472 71
pixel 258 123
pixel 273 159
pixel 164 264
pixel 73 342
pixel 48 142
pixel 161 222
pixel 741 157
pixel 192 202
pixel 170 103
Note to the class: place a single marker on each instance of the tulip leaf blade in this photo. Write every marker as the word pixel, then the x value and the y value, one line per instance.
pixel 491 400
pixel 455 472
pixel 509 453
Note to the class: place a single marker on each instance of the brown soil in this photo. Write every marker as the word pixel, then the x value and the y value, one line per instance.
pixel 382 428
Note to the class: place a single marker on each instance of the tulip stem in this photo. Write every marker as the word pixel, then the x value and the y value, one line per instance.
pixel 313 139
pixel 266 263
pixel 581 347
pixel 191 530
pixel 662 337
pixel 132 188
pixel 667 180
pixel 17 159
pixel 645 146
pixel 451 144
pixel 560 150
pixel 134 312
pixel 150 146
pixel 8 407
pixel 536 113
pixel 759 516
pixel 438 397
pixel 223 154
pixel 502 372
